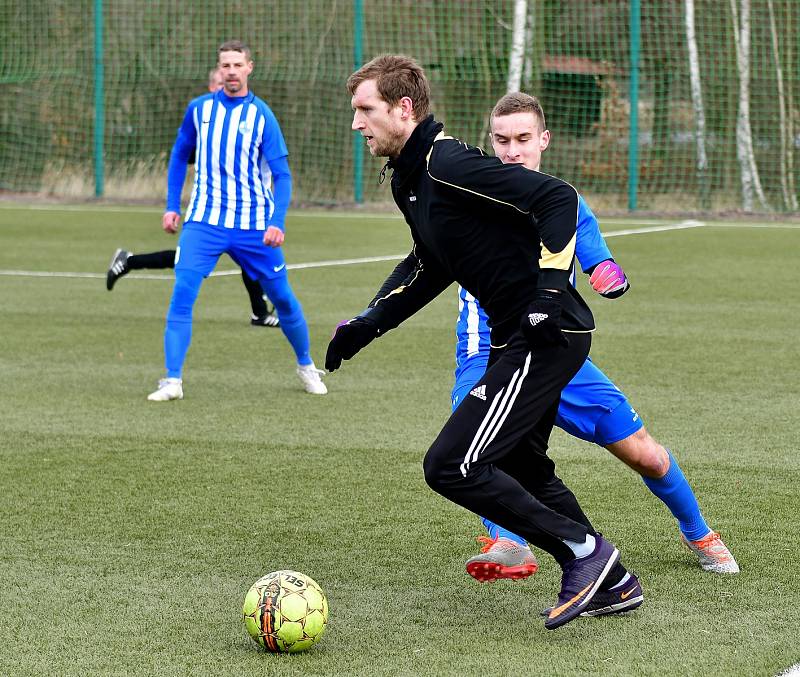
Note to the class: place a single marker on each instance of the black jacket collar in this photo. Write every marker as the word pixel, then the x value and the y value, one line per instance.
pixel 415 149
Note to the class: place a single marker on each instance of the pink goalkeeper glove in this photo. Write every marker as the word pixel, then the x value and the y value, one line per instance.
pixel 609 280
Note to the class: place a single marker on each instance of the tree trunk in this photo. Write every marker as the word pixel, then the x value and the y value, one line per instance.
pixel 697 105
pixel 516 60
pixel 530 27
pixel 789 198
pixel 744 132
pixel 789 40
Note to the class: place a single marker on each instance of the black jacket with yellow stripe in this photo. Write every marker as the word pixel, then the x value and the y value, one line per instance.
pixel 501 231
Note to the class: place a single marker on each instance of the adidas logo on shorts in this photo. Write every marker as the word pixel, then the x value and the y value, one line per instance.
pixel 479 392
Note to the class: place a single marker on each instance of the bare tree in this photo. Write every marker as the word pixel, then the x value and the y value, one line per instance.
pixel 519 41
pixel 530 27
pixel 786 164
pixel 744 134
pixel 697 104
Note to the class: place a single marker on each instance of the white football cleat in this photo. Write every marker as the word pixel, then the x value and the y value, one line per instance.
pixel 168 389
pixel 311 378
pixel 713 554
pixel 501 558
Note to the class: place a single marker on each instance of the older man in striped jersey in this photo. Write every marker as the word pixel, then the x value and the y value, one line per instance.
pixel 242 188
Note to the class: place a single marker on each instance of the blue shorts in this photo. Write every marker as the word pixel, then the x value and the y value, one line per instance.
pixel 592 408
pixel 201 245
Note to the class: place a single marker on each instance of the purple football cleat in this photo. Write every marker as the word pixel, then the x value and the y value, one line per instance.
pixel 580 582
pixel 625 596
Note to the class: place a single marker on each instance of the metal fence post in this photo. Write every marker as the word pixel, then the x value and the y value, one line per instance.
pixel 358 142
pixel 633 143
pixel 99 100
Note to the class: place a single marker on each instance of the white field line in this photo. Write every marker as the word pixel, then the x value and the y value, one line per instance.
pixel 789 226
pixel 793 671
pixel 216 273
pixel 345 262
pixel 142 209
pixel 682 225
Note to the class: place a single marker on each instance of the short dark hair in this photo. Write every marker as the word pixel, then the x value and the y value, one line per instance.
pixel 235 46
pixel 519 102
pixel 396 76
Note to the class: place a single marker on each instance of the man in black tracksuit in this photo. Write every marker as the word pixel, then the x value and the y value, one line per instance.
pixel 507 235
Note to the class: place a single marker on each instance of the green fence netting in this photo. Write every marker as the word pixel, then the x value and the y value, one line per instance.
pixel 715 106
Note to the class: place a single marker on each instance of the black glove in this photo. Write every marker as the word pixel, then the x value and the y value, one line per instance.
pixel 541 322
pixel 348 339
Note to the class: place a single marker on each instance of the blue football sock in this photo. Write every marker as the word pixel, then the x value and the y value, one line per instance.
pixel 178 333
pixel 295 329
pixel 290 313
pixel 177 338
pixel 677 495
pixel 496 531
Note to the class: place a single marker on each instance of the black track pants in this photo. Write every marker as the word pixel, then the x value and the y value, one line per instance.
pixel 491 455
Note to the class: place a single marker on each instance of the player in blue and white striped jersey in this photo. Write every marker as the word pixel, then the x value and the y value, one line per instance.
pixel 124 261
pixel 242 188
pixel 592 408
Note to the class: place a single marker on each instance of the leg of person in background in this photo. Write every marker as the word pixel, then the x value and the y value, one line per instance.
pixel 294 328
pixel 199 249
pixel 178 334
pixel 123 262
pixel 267 265
pixel 262 314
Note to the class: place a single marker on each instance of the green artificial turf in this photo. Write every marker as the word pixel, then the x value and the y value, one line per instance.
pixel 130 530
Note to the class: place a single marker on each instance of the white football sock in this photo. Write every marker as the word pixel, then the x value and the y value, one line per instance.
pixel 581 549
